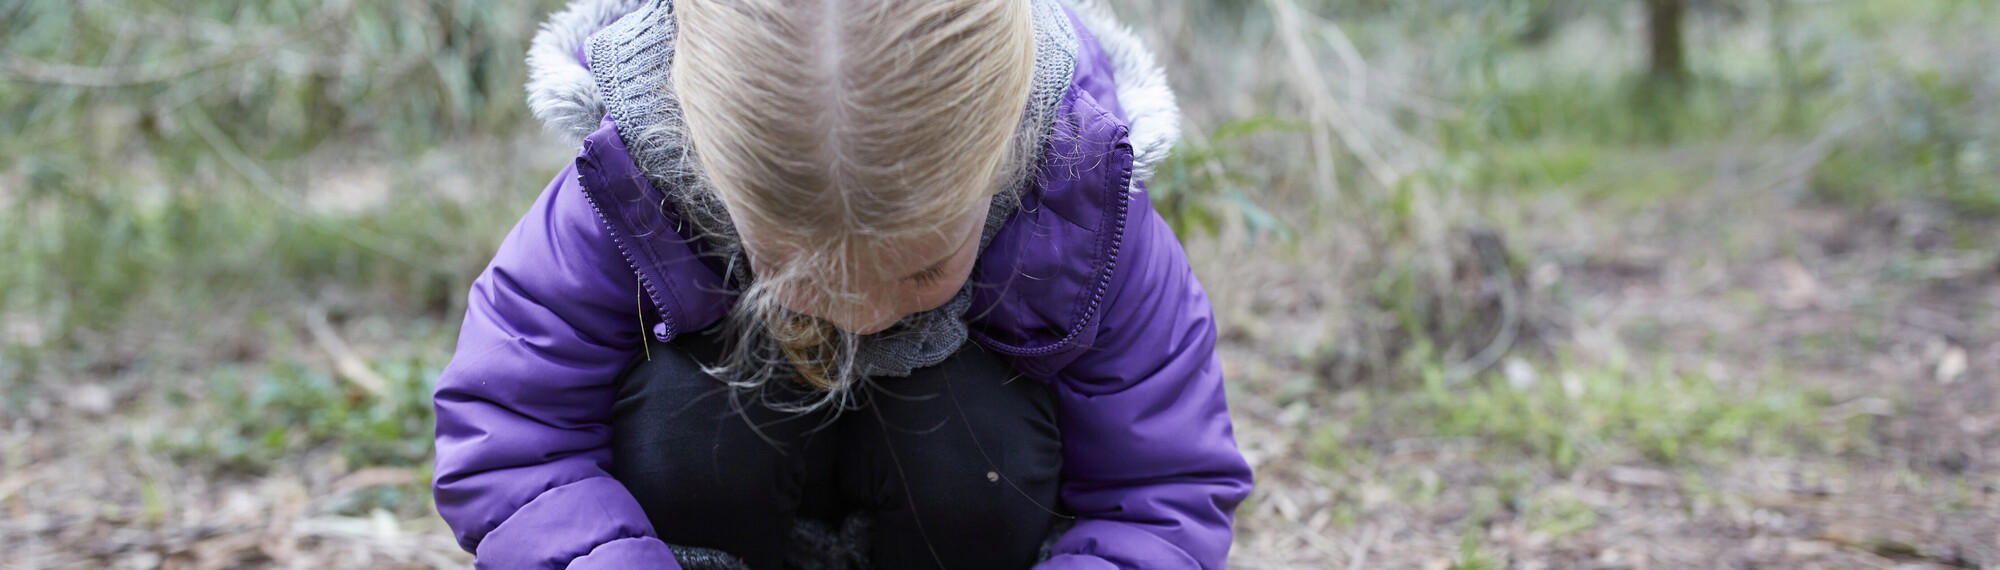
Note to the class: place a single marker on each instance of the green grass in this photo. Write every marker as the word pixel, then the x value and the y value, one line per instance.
pixel 1208 182
pixel 280 417
pixel 1897 127
pixel 1615 413
pixel 1558 517
pixel 1470 556
pixel 159 228
pixel 154 201
pixel 250 417
pixel 92 260
pixel 1576 417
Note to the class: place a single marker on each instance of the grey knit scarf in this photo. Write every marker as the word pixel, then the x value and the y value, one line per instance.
pixel 631 61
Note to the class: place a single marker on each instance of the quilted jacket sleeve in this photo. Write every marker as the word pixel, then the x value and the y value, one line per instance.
pixel 1150 463
pixel 523 408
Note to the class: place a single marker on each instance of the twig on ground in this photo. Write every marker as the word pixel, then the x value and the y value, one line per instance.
pixel 373 477
pixel 345 361
pixel 1359 559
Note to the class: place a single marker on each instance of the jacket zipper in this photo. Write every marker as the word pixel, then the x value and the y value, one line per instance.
pixel 1120 212
pixel 652 293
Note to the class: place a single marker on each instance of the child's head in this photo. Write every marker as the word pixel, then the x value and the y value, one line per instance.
pixel 856 145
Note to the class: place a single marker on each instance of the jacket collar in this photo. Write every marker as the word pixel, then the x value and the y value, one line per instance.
pixel 687 294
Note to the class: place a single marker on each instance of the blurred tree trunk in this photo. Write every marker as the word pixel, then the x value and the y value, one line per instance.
pixel 1667 45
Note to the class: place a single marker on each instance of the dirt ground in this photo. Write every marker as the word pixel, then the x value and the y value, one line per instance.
pixel 1876 309
pixel 1889 312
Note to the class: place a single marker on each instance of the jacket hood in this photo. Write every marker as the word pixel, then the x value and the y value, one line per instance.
pixel 561 92
pixel 569 99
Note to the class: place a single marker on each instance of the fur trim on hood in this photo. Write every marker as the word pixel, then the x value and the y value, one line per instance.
pixel 1149 104
pixel 560 91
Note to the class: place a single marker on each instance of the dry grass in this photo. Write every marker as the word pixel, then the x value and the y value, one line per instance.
pixel 1866 442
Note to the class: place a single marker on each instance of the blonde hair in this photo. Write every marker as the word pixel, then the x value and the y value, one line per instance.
pixel 834 127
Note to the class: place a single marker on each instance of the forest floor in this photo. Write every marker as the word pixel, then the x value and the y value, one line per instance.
pixel 1717 378
pixel 1761 329
pixel 1737 380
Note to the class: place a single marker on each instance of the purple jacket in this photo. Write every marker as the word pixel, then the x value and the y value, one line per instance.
pixel 1098 300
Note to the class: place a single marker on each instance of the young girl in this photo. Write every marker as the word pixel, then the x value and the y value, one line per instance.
pixel 852 283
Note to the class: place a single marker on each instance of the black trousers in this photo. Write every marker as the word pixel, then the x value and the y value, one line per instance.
pixel 956 465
